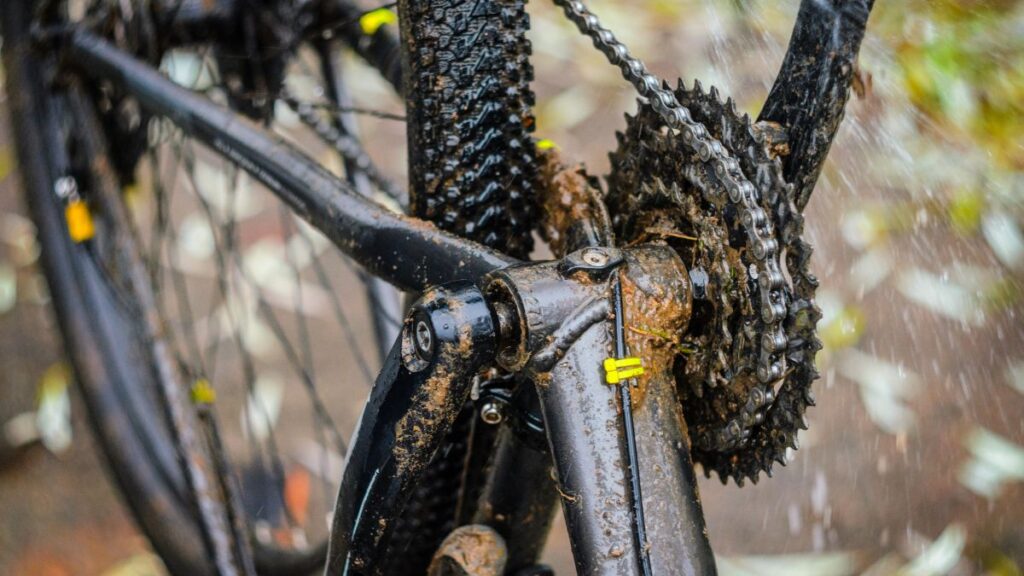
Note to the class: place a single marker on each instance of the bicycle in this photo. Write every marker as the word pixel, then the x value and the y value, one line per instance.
pixel 676 324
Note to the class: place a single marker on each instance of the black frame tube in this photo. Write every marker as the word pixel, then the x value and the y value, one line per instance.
pixel 810 93
pixel 412 406
pixel 411 254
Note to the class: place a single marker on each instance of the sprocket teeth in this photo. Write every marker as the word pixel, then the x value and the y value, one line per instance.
pixel 809 397
pixel 767 439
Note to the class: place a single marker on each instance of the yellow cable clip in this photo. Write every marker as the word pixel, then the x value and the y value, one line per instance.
pixel 619 369
pixel 546 144
pixel 373 20
pixel 79 219
pixel 202 392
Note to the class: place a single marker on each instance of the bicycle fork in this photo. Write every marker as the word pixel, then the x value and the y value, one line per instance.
pixel 553 323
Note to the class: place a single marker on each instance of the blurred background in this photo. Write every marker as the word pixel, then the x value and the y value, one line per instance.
pixel 914 461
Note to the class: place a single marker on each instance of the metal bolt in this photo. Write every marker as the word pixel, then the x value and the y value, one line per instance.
pixel 424 339
pixel 491 413
pixel 595 257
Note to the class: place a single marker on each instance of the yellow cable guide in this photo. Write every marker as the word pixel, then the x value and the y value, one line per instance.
pixel 79 219
pixel 619 369
pixel 203 393
pixel 546 144
pixel 373 20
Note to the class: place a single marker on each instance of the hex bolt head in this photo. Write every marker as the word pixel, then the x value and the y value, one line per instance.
pixel 595 257
pixel 491 413
pixel 424 339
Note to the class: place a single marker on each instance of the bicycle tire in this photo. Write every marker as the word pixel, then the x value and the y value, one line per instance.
pixel 91 324
pixel 466 77
pixel 472 163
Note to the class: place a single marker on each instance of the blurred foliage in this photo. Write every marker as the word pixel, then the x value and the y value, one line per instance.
pixel 962 63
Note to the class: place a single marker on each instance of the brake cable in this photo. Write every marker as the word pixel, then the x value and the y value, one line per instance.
pixel 625 370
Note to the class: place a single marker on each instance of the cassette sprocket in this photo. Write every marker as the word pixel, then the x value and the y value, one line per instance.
pixel 740 420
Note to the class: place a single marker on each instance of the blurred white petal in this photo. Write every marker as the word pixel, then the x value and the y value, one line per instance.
pixel 285 116
pixel 20 233
pixel 8 288
pixel 870 270
pixel 1003 234
pixel 942 556
pixel 145 564
pixel 195 239
pixel 825 564
pixel 53 416
pixel 227 198
pixel 304 87
pixel 261 411
pixel 885 389
pixel 862 228
pixel 567 109
pixel 941 295
pixel 21 430
pixel 265 260
pixel 995 462
pixel 186 68
pixel 1015 375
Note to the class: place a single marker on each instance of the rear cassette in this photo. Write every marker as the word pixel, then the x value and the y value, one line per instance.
pixel 741 417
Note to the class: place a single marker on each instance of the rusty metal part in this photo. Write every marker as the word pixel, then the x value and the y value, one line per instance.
pixel 572 212
pixel 712 169
pixel 473 550
pixel 657 301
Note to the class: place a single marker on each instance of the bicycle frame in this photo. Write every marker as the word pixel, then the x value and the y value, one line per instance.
pixel 415 256
pixel 548 321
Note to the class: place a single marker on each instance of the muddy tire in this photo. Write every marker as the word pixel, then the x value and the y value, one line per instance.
pixel 471 158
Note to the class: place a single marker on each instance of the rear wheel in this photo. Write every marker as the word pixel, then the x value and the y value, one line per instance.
pixel 255 310
pixel 247 299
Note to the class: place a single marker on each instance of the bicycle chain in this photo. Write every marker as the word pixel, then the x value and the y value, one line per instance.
pixel 753 414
